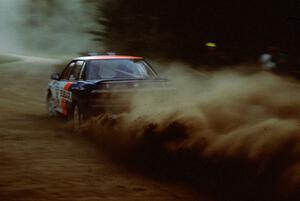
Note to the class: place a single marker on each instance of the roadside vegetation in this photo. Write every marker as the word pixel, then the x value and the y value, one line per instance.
pixel 180 31
pixel 8 59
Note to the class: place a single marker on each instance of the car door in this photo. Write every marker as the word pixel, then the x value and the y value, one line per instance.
pixel 56 85
pixel 69 78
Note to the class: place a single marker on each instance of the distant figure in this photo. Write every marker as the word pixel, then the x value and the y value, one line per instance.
pixel 266 61
pixel 269 58
pixel 211 53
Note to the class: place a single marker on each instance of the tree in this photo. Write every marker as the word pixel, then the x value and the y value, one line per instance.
pixel 180 29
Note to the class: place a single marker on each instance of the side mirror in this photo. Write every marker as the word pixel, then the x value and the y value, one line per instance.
pixel 55 76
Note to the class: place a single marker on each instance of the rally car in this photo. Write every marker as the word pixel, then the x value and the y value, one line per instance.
pixel 92 85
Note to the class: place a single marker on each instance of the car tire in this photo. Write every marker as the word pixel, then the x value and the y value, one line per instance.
pixel 50 106
pixel 77 119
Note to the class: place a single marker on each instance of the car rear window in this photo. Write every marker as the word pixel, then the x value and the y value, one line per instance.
pixel 119 69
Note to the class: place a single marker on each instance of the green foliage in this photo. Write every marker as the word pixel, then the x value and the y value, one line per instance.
pixel 152 28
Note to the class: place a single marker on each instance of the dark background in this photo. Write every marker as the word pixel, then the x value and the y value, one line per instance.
pixel 180 29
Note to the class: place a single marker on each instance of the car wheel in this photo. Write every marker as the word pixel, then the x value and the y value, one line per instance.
pixel 77 119
pixel 50 107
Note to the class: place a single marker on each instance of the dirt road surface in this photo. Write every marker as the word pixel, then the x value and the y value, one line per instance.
pixel 41 160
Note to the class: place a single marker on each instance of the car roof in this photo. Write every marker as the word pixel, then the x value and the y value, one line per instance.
pixel 104 57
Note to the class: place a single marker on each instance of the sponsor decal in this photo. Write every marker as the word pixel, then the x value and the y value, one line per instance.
pixel 66 96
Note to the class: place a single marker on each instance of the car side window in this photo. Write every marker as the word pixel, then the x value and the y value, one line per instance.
pixel 66 73
pixel 76 71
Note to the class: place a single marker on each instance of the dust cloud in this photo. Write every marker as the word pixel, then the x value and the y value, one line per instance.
pixel 232 131
pixel 46 28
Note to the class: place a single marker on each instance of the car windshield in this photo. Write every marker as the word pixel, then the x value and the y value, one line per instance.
pixel 119 69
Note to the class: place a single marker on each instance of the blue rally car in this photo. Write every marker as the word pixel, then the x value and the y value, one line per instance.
pixel 93 85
